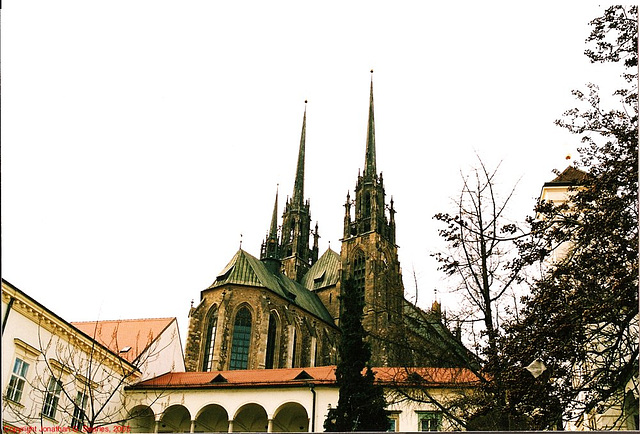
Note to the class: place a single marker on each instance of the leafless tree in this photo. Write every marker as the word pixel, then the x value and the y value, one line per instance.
pixel 80 383
pixel 479 256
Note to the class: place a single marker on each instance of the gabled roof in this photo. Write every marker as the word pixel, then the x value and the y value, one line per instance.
pixel 569 176
pixel 243 378
pixel 324 272
pixel 18 299
pixel 446 350
pixel 129 337
pixel 244 269
pixel 292 377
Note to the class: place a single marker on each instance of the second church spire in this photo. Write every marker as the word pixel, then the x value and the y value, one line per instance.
pixel 293 249
pixel 370 155
pixel 298 186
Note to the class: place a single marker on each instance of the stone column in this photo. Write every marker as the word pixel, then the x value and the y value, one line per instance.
pixel 270 425
pixel 230 425
pixel 192 428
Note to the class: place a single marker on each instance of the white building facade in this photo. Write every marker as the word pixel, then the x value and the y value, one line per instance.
pixel 281 400
pixel 55 377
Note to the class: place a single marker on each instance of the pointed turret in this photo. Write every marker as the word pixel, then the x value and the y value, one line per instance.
pixel 270 248
pixel 298 187
pixel 273 230
pixel 370 156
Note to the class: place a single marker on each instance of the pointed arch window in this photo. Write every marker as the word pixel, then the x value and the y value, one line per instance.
pixel 212 323
pixel 241 340
pixel 294 353
pixel 366 212
pixel 271 342
pixel 359 265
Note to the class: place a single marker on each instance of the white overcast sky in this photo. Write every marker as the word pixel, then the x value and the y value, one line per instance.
pixel 141 138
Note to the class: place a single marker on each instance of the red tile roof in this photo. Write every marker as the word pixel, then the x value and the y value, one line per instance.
pixel 429 377
pixel 128 337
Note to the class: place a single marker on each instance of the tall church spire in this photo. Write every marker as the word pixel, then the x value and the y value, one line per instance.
pixel 298 187
pixel 370 156
pixel 369 244
pixel 296 255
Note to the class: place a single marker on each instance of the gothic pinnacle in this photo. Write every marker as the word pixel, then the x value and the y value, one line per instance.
pixel 273 231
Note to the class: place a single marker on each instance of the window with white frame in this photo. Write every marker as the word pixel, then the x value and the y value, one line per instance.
pixel 51 398
pixel 429 421
pixel 393 422
pixel 18 380
pixel 79 415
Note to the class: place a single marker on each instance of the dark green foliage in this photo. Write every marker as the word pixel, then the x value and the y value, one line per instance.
pixel 361 404
pixel 581 317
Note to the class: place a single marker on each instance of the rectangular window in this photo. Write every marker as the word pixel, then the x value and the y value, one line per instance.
pixel 394 420
pixel 80 405
pixel 17 381
pixel 429 421
pixel 51 398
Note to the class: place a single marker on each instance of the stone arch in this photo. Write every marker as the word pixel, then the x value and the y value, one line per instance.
pixel 175 418
pixel 209 330
pixel 251 418
pixel 212 418
pixel 241 333
pixel 141 419
pixel 291 417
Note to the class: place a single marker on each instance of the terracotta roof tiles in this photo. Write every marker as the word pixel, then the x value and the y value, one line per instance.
pixel 128 337
pixel 429 377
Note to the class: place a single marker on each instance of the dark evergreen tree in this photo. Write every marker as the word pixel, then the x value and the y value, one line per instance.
pixel 361 403
pixel 581 318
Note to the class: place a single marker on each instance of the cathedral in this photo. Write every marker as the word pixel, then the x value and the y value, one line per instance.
pixel 282 310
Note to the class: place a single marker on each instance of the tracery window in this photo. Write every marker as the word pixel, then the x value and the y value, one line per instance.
pixel 241 340
pixel 212 322
pixel 359 265
pixel 294 354
pixel 271 342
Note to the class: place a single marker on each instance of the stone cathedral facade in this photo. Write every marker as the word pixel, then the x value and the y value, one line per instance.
pixel 282 310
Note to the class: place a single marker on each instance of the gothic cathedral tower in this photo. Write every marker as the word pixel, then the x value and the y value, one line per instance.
pixel 293 249
pixel 369 255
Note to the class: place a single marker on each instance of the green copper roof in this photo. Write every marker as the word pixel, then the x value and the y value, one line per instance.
pixel 324 272
pixel 244 269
